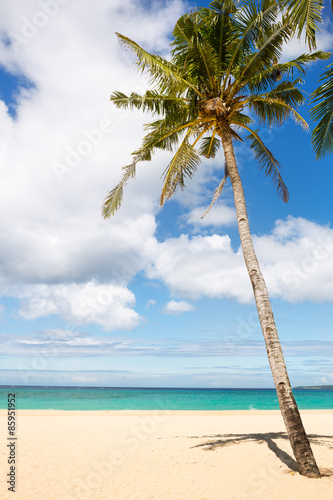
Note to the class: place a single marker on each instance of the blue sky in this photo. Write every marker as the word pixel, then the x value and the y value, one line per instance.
pixel 154 297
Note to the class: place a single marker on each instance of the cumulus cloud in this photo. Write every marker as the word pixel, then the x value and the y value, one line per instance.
pixel 296 260
pixel 62 152
pixel 178 307
pixel 199 266
pixel 105 305
pixel 219 215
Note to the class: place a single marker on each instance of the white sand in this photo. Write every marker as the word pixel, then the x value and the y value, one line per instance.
pixel 163 455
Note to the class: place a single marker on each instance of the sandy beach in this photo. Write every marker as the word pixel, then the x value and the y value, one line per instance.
pixel 142 455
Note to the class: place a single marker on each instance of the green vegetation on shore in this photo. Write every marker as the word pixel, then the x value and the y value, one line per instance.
pixel 318 387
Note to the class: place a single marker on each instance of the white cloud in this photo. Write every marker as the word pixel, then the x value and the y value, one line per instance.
pixel 199 266
pixel 150 303
pixel 48 344
pixel 174 307
pixel 77 249
pixel 296 260
pixel 107 305
pixel 219 215
pixel 53 231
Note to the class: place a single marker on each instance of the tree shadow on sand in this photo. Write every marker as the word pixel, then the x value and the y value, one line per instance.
pixel 223 440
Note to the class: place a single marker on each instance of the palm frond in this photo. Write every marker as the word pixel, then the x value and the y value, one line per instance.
pixel 268 163
pixel 183 164
pixel 234 135
pixel 288 93
pixel 240 119
pixel 151 101
pixel 275 111
pixel 217 193
pixel 269 50
pixel 209 146
pixel 114 197
pixel 163 74
pixel 193 53
pixel 250 22
pixel 219 28
pixel 306 14
pixel 268 78
pixel 163 134
pixel 322 112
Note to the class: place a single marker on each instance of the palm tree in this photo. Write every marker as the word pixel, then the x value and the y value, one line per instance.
pixel 223 75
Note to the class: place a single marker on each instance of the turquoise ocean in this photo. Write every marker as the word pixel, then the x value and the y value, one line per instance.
pixel 110 398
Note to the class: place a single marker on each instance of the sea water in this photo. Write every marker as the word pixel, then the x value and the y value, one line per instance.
pixel 120 398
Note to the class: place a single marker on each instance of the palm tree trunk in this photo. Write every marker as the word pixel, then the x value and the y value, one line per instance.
pixel 290 413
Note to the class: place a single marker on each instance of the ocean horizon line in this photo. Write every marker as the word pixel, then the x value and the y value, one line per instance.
pixel 136 387
pixel 4 386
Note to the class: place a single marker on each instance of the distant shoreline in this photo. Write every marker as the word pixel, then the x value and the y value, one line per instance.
pixel 314 387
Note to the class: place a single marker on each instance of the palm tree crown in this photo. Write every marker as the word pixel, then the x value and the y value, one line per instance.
pixel 224 73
